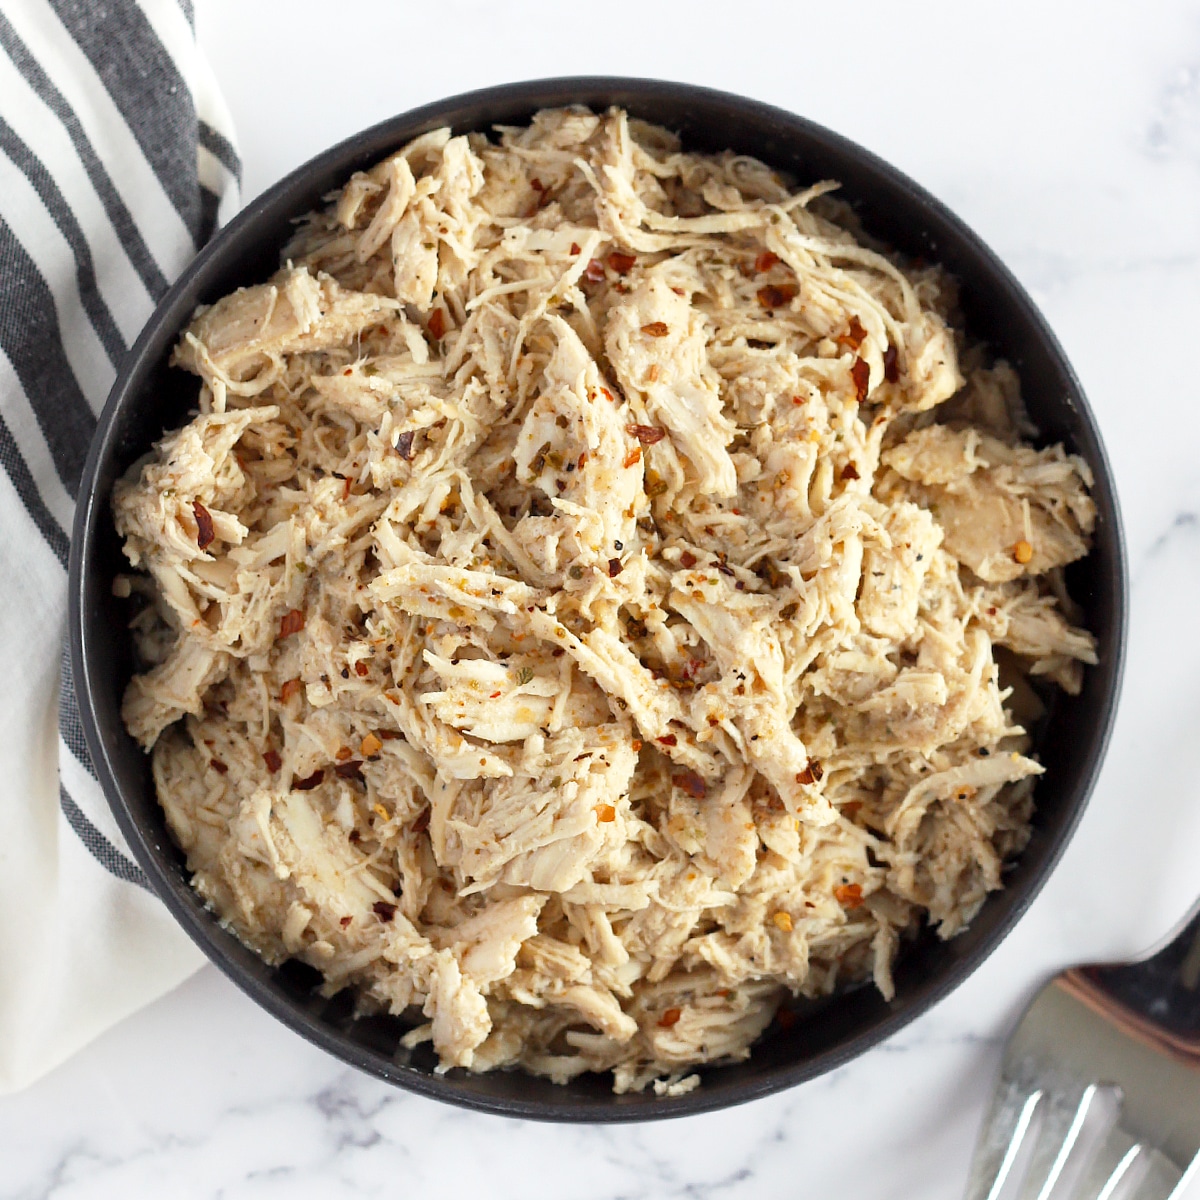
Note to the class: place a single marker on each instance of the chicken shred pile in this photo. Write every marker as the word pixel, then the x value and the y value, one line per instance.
pixel 596 601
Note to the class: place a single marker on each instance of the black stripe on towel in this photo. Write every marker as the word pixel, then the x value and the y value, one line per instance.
pixel 122 220
pixel 19 475
pixel 70 725
pixel 43 183
pixel 30 336
pixel 221 148
pixel 108 856
pixel 148 91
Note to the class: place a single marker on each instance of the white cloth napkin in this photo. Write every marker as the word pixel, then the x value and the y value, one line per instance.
pixel 116 164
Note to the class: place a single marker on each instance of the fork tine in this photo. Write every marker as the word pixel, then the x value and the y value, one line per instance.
pixel 1069 1142
pixel 998 1157
pixel 1114 1180
pixel 1189 1176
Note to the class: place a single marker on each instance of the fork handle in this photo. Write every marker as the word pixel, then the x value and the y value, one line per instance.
pixel 1163 988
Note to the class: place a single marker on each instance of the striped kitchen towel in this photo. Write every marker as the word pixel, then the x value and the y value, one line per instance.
pixel 116 164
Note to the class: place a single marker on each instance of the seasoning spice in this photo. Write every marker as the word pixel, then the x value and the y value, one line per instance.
pixel 656 329
pixel 273 761
pixel 813 772
pixel 605 813
pixel 646 434
pixel 437 323
pixel 848 895
pixel 860 374
pixel 1022 552
pixel 383 910
pixel 691 783
pixel 292 622
pixel 309 782
pixel 204 525
pixel 621 262
pixel 670 1017
pixel 776 295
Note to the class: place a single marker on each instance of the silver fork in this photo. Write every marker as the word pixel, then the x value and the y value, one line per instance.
pixel 1099 1092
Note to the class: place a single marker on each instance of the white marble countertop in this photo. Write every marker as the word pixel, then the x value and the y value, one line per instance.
pixel 1068 136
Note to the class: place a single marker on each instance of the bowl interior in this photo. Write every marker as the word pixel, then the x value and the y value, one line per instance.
pixel 150 398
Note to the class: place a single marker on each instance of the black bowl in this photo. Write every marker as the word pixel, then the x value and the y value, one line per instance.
pixel 148 398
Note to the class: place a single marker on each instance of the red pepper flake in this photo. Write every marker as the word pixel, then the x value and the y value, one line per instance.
pixel 891 368
pixel 307 785
pixel 361 669
pixel 635 745
pixel 668 739
pixel 797 399
pixel 855 337
pixel 494 696
pixel 537 185
pixel 293 622
pixel 608 395
pixel 614 568
pixel 289 689
pixel 354 837
pixel 633 457
pixel 218 766
pixel 860 373
pixel 349 770
pixel 646 434
pixel 785 1018
pixel 670 1017
pixel 574 247
pixel 848 895
pixel 850 471
pixel 344 922
pixel 204 525
pixel 765 261
pixel 691 783
pixel 594 271
pixel 621 262
pixel 776 295
pixel 343 753
pixel 582 460
pixel 348 371
pixel 656 329
pixel 437 323
pixel 687 560
pixel 346 486
pixel 273 761
pixel 813 772
pixel 383 910
pixel 404 444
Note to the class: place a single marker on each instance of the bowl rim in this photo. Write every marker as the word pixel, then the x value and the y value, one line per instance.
pixel 369 145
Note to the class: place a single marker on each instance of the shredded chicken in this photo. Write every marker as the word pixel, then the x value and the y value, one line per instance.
pixel 573 617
